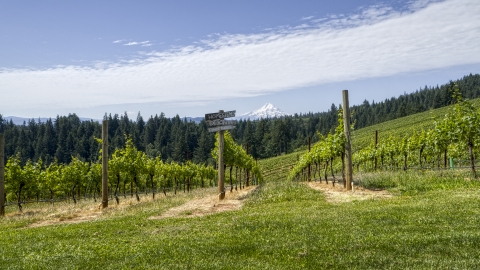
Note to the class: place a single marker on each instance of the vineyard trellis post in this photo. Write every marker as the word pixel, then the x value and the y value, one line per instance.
pixel 248 173
pixel 348 145
pixel 105 163
pixel 309 165
pixel 376 145
pixel 2 175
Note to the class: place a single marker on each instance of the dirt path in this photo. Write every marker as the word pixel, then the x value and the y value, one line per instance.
pixel 338 194
pixel 209 205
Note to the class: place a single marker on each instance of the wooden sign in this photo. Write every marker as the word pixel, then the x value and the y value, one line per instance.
pixel 219 115
pixel 216 123
pixel 219 128
pixel 221 122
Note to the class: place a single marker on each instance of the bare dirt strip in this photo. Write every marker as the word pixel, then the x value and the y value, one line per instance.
pixel 337 194
pixel 69 218
pixel 209 205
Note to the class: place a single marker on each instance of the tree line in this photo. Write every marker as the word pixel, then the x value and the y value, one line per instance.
pixel 178 139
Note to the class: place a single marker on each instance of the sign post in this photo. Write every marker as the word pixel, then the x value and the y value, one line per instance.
pixel 2 175
pixel 221 166
pixel 105 164
pixel 216 123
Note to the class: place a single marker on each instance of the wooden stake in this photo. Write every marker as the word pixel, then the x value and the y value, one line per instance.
pixel 309 166
pixel 348 145
pixel 248 172
pixel 221 168
pixel 376 144
pixel 2 175
pixel 105 164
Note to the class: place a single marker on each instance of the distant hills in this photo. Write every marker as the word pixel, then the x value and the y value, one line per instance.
pixel 267 111
pixel 20 120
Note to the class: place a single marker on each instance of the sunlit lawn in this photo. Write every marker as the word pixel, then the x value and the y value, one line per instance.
pixel 283 225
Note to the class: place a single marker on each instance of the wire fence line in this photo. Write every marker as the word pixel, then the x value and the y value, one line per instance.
pixel 112 196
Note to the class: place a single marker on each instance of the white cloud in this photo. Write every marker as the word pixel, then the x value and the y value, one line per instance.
pixel 143 43
pixel 118 41
pixel 307 18
pixel 377 41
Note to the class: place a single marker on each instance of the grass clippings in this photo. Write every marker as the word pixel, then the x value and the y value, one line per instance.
pixel 209 205
pixel 338 194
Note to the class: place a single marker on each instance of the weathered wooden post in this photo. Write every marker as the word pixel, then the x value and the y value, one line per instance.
pixel 105 164
pixel 309 165
pixel 348 145
pixel 2 175
pixel 221 167
pixel 376 144
pixel 248 172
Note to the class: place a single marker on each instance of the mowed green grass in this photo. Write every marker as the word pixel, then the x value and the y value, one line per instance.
pixel 283 225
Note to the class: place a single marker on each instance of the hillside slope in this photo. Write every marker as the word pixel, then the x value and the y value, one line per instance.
pixel 401 126
pixel 275 168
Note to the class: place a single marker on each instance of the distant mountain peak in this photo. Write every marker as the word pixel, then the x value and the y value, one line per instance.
pixel 267 111
pixel 268 106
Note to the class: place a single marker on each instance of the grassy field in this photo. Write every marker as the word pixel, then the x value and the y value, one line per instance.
pixel 429 223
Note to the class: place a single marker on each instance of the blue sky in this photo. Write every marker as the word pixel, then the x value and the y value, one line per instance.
pixel 195 57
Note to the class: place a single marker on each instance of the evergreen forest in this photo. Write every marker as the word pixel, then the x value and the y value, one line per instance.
pixel 179 140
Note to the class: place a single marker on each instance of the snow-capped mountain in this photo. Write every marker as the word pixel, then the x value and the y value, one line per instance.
pixel 267 111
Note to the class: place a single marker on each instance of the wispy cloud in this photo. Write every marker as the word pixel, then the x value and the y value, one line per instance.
pixel 307 18
pixel 118 41
pixel 142 43
pixel 377 41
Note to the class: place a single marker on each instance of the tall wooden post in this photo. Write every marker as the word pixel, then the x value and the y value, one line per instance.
pixel 105 164
pixel 348 145
pixel 376 144
pixel 2 175
pixel 221 167
pixel 309 165
pixel 248 172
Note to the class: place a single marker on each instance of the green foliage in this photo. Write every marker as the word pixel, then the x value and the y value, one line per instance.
pixel 127 165
pixel 324 151
pixel 235 155
pixel 456 133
